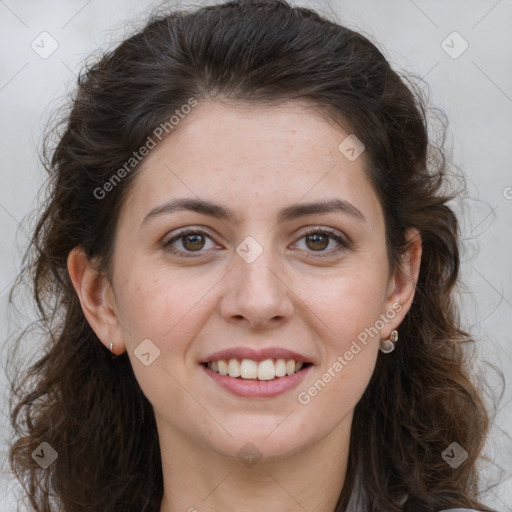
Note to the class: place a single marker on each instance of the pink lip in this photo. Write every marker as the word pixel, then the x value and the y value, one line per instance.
pixel 256 355
pixel 253 388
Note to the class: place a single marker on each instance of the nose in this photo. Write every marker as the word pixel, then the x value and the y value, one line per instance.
pixel 256 294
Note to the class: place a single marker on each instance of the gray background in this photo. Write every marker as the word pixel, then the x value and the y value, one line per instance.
pixel 473 88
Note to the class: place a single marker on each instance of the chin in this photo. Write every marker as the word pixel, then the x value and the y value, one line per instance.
pixel 262 440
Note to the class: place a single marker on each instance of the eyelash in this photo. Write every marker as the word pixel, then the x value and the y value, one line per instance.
pixel 343 244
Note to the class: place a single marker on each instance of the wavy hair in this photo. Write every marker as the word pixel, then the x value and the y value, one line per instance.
pixel 89 406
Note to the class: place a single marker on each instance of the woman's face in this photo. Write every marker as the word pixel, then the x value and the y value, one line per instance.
pixel 286 261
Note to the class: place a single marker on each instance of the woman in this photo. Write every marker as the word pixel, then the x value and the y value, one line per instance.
pixel 245 267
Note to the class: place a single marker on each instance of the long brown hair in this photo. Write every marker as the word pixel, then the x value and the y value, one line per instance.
pixel 89 407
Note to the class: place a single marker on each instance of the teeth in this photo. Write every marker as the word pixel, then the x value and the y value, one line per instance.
pixel 223 367
pixel 249 369
pixel 280 368
pixel 234 368
pixel 268 369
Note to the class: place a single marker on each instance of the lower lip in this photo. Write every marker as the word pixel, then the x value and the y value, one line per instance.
pixel 252 388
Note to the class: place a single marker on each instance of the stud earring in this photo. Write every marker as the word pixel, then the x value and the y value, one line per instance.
pixel 112 353
pixel 387 346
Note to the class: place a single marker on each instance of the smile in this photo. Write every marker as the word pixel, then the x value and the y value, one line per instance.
pixel 256 379
pixel 269 369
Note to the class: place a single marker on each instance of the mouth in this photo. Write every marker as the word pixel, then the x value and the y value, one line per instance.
pixel 251 370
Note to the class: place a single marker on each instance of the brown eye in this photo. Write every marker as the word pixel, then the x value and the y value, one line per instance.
pixel 193 242
pixel 317 241
pixel 189 242
pixel 325 242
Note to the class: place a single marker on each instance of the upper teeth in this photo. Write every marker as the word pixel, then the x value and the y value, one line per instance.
pixel 249 369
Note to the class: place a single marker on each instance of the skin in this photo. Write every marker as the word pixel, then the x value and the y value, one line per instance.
pixel 255 160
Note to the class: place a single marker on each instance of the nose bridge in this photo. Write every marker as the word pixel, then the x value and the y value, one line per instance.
pixel 256 291
pixel 256 268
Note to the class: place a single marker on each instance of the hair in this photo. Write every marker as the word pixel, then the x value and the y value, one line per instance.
pixel 90 408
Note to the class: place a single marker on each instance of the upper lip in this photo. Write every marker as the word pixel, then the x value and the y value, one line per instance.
pixel 255 354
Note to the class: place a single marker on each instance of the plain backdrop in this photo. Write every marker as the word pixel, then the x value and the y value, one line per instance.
pixel 461 48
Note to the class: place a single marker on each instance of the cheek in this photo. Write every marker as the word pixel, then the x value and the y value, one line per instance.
pixel 340 385
pixel 349 309
pixel 351 304
pixel 153 304
pixel 159 307
pixel 350 350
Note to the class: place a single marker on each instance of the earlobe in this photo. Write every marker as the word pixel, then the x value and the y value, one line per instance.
pixel 96 298
pixel 403 283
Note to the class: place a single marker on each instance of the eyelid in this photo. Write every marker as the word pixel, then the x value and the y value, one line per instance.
pixel 311 230
pixel 189 230
pixel 183 232
pixel 344 242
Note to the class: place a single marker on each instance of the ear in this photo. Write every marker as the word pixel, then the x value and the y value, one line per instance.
pixel 97 300
pixel 402 284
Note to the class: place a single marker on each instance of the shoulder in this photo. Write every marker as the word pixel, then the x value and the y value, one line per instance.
pixel 459 510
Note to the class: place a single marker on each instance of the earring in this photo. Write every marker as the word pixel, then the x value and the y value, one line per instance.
pixel 112 353
pixel 387 346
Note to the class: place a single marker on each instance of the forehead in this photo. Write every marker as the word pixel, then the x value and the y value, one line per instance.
pixel 253 156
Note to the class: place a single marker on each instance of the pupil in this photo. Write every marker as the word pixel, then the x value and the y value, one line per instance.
pixel 318 239
pixel 196 242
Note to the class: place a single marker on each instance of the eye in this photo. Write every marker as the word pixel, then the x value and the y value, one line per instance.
pixel 189 241
pixel 319 239
pixel 195 240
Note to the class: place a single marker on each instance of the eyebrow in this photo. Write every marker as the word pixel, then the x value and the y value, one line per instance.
pixel 221 212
